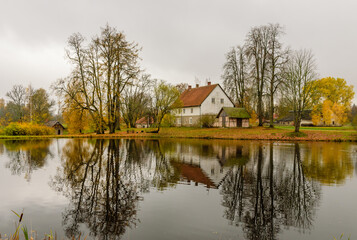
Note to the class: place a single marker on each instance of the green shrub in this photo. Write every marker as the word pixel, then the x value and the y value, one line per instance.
pixel 21 129
pixel 168 120
pixel 207 120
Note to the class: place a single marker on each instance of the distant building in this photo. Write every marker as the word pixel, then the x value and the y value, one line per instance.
pixel 57 126
pixel 144 122
pixel 306 119
pixel 206 100
pixel 232 117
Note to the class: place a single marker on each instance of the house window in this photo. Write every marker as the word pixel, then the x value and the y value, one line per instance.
pixel 190 120
pixel 179 121
pixel 213 100
pixel 222 100
pixel 183 110
pixel 191 110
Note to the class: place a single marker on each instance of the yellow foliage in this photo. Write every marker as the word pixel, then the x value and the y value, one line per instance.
pixel 15 129
pixel 76 119
pixel 315 118
pixel 253 117
pixel 327 112
pixel 332 99
pixel 328 163
pixel 341 113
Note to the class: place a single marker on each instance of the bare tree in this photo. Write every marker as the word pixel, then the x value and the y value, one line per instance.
pixel 135 100
pixel 278 57
pixel 83 87
pixel 235 75
pixel 120 64
pixel 102 70
pixel 17 102
pixel 300 72
pixel 258 51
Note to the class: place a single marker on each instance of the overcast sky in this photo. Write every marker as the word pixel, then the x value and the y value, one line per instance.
pixel 181 40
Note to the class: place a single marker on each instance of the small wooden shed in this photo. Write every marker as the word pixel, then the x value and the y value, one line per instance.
pixel 233 117
pixel 57 126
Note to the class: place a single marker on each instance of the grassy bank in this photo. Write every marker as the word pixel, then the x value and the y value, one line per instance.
pixel 281 133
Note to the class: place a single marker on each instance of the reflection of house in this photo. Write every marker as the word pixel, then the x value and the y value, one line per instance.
pixel 306 119
pixel 232 117
pixel 144 122
pixel 195 173
pixel 206 100
pixel 57 126
pixel 209 164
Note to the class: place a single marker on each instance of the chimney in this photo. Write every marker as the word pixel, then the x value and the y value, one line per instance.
pixel 197 85
pixel 208 83
pixel 189 86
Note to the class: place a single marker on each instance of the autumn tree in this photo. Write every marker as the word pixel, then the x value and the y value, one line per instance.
pixel 77 119
pixel 41 105
pixel 165 98
pixel 298 86
pixel 101 71
pixel 332 99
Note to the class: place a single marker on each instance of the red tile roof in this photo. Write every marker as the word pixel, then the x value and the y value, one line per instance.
pixel 144 120
pixel 195 96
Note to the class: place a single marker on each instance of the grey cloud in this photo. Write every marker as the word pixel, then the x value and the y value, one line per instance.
pixel 181 40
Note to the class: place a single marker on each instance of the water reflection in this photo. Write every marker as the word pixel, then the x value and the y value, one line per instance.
pixel 101 187
pixel 328 163
pixel 26 156
pixel 267 194
pixel 264 187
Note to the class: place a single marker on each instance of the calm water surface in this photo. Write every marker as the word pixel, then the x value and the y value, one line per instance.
pixel 179 189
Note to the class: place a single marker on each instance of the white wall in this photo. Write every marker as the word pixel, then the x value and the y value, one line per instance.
pixel 208 107
pixel 196 111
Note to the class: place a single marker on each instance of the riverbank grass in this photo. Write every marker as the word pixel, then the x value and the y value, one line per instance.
pixel 278 133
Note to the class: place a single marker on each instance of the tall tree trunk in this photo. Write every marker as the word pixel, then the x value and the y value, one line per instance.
pixel 271 124
pixel 260 110
pixel 297 121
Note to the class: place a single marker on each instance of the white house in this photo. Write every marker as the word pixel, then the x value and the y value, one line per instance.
pixel 199 101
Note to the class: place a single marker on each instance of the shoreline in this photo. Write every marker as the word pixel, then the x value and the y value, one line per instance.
pixel 254 133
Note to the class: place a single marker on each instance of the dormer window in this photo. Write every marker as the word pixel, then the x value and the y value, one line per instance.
pixel 222 100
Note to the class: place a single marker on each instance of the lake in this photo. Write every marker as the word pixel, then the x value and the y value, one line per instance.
pixel 179 189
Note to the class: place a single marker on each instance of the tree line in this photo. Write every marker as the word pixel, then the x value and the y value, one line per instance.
pixel 26 104
pixel 107 87
pixel 265 77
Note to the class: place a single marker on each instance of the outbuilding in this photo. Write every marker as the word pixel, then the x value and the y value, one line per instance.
pixel 232 117
pixel 144 122
pixel 57 126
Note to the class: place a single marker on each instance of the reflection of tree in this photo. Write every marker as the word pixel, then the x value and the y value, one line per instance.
pixel 328 163
pixel 103 181
pixel 27 156
pixel 266 194
pixel 100 195
pixel 300 195
pixel 166 170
